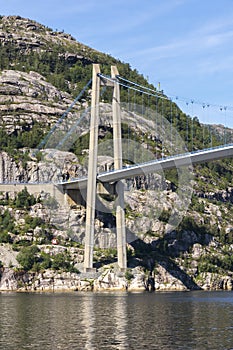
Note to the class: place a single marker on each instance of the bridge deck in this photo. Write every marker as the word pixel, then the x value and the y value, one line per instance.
pixel 156 165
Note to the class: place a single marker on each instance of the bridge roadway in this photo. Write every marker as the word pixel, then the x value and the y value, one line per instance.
pixel 171 162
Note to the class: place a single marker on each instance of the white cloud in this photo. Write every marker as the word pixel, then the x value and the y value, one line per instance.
pixel 197 42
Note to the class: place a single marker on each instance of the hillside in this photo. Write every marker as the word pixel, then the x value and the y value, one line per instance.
pixel 42 71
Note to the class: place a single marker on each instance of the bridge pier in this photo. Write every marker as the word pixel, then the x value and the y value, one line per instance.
pixel 92 172
pixel 117 146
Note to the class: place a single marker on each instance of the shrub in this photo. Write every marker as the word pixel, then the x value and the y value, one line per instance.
pixel 60 261
pixel 33 222
pixel 45 261
pixel 5 237
pixel 6 222
pixel 27 257
pixel 24 199
pixel 128 275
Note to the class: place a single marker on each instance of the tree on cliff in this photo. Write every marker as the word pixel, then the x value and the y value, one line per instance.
pixel 27 257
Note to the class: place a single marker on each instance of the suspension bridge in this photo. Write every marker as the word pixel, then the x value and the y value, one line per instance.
pixel 202 156
pixel 178 159
pixel 155 139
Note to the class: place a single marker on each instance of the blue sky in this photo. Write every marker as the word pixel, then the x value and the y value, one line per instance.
pixel 186 45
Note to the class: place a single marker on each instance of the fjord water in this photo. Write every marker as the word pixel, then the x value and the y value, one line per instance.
pixel 97 321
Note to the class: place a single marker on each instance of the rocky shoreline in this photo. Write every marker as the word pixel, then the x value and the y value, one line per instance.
pixel 107 279
pixel 193 253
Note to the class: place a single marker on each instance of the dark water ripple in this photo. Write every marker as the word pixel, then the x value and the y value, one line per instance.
pixel 117 321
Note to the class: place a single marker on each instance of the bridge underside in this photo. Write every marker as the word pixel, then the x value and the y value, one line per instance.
pixel 154 166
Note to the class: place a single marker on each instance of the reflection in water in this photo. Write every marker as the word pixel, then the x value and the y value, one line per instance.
pixel 88 321
pixel 116 321
pixel 121 318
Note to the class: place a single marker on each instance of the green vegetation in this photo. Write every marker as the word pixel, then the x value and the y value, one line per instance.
pixel 10 228
pixel 6 225
pixel 27 138
pixel 103 256
pixel 30 258
pixel 62 261
pixel 27 257
pixel 215 264
pixel 5 237
pixel 71 76
pixel 23 200
pixel 129 275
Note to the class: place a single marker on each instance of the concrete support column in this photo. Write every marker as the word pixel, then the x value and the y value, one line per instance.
pixel 117 143
pixel 92 171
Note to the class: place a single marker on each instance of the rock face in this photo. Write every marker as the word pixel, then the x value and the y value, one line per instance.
pixel 225 195
pixel 108 280
pixel 175 256
pixel 50 169
pixel 9 170
pixel 8 256
pixel 26 98
pixel 29 36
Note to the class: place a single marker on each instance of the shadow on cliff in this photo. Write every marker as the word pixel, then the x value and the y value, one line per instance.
pixel 165 249
pixel 162 250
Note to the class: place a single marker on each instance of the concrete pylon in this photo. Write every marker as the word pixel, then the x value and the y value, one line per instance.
pixel 92 170
pixel 117 147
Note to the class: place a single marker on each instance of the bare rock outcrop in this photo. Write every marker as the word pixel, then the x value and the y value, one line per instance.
pixel 28 36
pixel 26 99
pixel 50 169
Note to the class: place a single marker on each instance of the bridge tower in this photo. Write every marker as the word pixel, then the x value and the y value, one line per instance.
pixel 92 169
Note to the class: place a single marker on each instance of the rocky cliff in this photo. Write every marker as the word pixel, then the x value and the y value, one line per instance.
pixel 27 36
pixel 179 237
pixel 26 98
pixel 50 169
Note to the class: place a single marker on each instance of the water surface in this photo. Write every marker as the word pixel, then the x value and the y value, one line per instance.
pixel 99 321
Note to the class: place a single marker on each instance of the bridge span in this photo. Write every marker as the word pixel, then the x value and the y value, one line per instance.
pixel 167 163
pixel 112 179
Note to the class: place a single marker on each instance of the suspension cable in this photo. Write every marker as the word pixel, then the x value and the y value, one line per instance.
pixel 139 85
pixel 170 96
pixel 171 121
pixel 192 126
pixel 44 141
pixel 70 132
pixel 203 130
pixel 155 94
pixel 225 121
